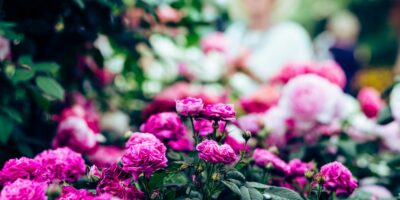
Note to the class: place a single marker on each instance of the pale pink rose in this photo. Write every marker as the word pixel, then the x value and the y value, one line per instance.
pixel 214 42
pixel 332 72
pixel 219 111
pixel 5 50
pixel 370 101
pixel 263 158
pixel 237 145
pixel 143 158
pixel 309 99
pixel 377 192
pixel 292 70
pixel 73 132
pixel 337 178
pixel 251 122
pixel 275 122
pixel 104 156
pixel 390 135
pixel 167 14
pixel 83 109
pixel 24 189
pixel 189 106
pixel 210 151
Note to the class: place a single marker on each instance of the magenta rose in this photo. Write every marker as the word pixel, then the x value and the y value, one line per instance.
pixel 24 189
pixel 73 132
pixel 139 138
pixel 299 168
pixel 24 168
pixel 94 173
pixel 219 111
pixel 69 193
pixel 337 178
pixel 182 144
pixel 143 158
pixel 165 125
pixel 237 145
pixel 263 158
pixel 116 182
pixel 189 106
pixel 63 163
pixel 370 102
pixel 210 151
pixel 203 127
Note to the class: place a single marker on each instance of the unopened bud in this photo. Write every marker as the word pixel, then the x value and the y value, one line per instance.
pixel 320 179
pixel 199 169
pixel 183 166
pixel 216 177
pixel 246 135
pixel 309 174
pixel 269 166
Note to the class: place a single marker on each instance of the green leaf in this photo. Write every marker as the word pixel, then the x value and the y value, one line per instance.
pixel 279 193
pixel 25 60
pixel 244 193
pixel 46 67
pixel 256 185
pixel 22 75
pixel 50 87
pixel 6 128
pixel 13 114
pixel 385 116
pixel 79 3
pixel 232 187
pixel 175 180
pixel 255 194
pixel 234 174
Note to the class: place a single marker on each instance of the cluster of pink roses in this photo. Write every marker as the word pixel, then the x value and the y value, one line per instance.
pixel 337 178
pixel 210 151
pixel 25 176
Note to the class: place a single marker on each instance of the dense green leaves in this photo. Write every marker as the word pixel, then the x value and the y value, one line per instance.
pixel 232 187
pixel 6 128
pixel 50 87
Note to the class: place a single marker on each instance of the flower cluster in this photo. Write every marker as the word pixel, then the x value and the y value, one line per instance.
pixel 337 178
pixel 24 189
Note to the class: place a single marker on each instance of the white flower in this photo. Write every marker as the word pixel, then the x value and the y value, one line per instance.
pixel 115 121
pixel 165 47
pixel 115 64
pixel 103 45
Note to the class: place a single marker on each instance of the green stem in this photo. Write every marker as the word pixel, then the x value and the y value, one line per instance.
pixel 319 190
pixel 333 195
pixel 195 133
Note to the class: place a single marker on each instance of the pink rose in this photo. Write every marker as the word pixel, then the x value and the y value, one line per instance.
pixel 24 189
pixel 69 193
pixel 263 158
pixel 275 122
pixel 182 144
pixel 104 76
pixel 210 151
pixel 236 145
pixel 299 168
pixel 203 126
pixel 5 50
pixel 139 138
pixel 84 110
pixel 117 182
pixel 370 101
pixel 74 132
pixel 24 168
pixel 214 42
pixel 219 111
pixel 105 156
pixel 143 158
pixel 262 100
pixel 309 99
pixel 94 173
pixel 189 106
pixel 337 178
pixel 63 163
pixel 292 70
pixel 251 122
pixel 165 125
pixel 332 72
pixel 168 14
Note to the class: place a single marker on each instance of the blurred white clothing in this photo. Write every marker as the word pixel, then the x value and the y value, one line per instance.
pixel 269 50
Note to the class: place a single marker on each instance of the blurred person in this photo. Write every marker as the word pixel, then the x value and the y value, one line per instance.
pixel 338 42
pixel 395 21
pixel 260 44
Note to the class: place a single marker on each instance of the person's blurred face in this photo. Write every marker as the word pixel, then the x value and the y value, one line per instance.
pixel 258 8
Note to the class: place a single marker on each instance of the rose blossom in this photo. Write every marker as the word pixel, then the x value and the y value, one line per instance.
pixel 214 42
pixel 63 163
pixel 69 193
pixel 219 111
pixel 210 151
pixel 251 122
pixel 116 182
pixel 299 168
pixel 24 168
pixel 24 189
pixel 309 99
pixel 105 156
pixel 237 144
pixel 74 132
pixel 263 158
pixel 203 126
pixel 337 178
pixel 262 100
pixel 332 71
pixel 189 106
pixel 168 14
pixel 370 102
pixel 94 173
pixel 165 125
pixel 292 70
pixel 182 144
pixel 143 158
pixel 139 138
pixel 275 122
